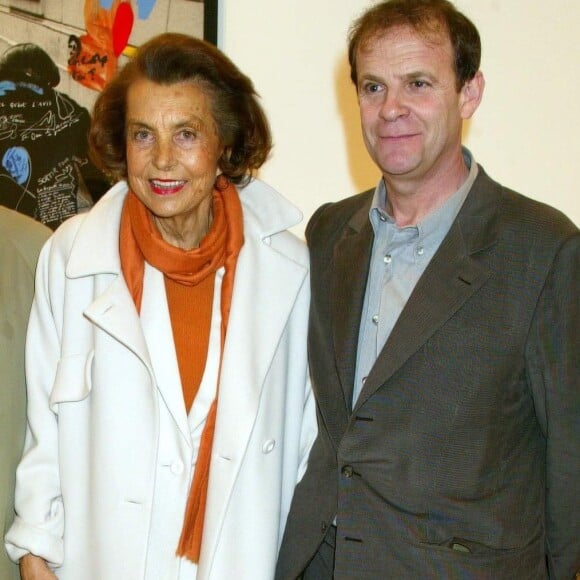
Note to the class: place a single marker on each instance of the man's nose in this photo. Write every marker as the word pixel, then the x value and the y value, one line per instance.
pixel 393 106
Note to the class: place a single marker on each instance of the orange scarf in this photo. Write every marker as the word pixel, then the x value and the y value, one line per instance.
pixel 141 242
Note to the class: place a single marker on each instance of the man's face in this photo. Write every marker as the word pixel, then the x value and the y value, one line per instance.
pixel 411 111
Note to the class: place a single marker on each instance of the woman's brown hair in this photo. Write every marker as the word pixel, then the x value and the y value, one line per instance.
pixel 174 58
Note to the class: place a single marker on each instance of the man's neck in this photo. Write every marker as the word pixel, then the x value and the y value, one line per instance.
pixel 410 201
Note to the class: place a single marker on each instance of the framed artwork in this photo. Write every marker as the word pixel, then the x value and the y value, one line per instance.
pixel 48 87
pixel 210 20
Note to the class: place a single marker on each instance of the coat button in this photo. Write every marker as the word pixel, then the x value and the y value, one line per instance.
pixel 176 467
pixel 347 471
pixel 268 446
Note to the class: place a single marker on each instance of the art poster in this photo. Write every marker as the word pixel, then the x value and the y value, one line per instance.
pixel 45 168
pixel 93 56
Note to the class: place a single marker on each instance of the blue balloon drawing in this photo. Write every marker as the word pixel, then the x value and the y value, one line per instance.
pixel 144 7
pixel 16 161
pixel 6 87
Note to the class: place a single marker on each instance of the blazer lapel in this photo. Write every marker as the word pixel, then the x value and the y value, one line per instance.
pixel 452 276
pixel 351 258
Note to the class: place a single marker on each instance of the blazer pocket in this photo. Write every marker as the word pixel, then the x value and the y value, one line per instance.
pixel 72 382
pixel 459 558
pixel 464 546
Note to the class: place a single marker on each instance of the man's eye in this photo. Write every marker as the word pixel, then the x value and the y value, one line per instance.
pixel 419 84
pixel 372 88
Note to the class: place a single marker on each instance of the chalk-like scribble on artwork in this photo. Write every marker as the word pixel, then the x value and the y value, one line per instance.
pixel 45 171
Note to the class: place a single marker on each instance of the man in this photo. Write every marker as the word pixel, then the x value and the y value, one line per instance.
pixel 20 241
pixel 443 340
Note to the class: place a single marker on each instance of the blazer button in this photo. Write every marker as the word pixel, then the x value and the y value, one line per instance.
pixel 268 446
pixel 347 471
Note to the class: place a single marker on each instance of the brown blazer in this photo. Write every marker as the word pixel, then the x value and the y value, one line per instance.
pixel 461 458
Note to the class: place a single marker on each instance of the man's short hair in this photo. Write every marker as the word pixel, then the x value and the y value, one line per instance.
pixel 430 19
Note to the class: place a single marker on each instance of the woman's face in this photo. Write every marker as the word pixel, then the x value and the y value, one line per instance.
pixel 173 150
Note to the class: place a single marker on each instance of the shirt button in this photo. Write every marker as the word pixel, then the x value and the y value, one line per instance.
pixel 420 250
pixel 176 467
pixel 375 319
pixel 387 259
pixel 268 446
pixel 382 217
pixel 347 471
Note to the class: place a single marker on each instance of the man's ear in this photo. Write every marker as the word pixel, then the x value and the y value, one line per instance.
pixel 471 95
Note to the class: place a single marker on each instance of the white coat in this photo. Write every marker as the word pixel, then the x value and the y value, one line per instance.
pixel 102 425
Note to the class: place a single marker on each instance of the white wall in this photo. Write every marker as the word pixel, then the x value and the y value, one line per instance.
pixel 526 132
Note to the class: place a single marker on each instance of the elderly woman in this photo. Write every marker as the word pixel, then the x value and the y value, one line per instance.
pixel 170 413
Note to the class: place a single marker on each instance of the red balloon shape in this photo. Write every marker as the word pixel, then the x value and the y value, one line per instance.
pixel 122 26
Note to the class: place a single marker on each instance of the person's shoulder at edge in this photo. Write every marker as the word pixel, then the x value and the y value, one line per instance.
pixel 525 213
pixel 23 233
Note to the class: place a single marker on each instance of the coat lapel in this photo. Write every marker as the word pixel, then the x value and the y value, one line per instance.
pixel 113 309
pixel 258 317
pixel 156 324
pixel 450 279
pixel 267 283
pixel 114 312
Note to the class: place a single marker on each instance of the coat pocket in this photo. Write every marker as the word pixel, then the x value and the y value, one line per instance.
pixel 72 382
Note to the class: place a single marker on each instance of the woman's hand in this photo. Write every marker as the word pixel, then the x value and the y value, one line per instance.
pixel 35 568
